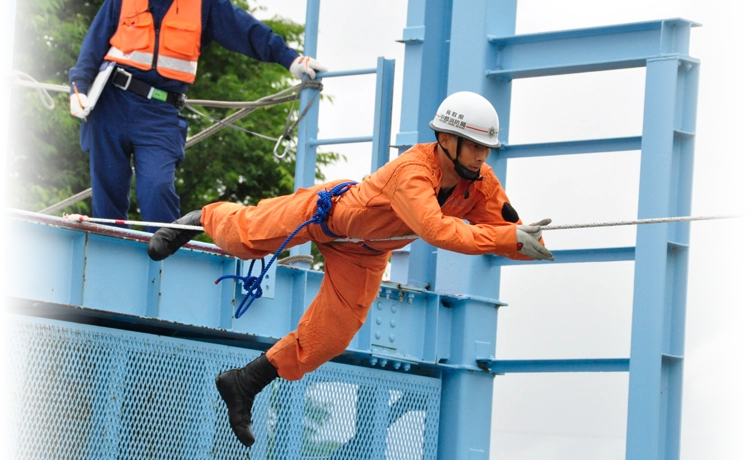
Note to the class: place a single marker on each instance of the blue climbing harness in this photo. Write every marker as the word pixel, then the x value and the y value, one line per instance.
pixel 252 283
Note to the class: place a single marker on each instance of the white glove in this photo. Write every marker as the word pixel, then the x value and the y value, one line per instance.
pixel 79 105
pixel 527 240
pixel 306 65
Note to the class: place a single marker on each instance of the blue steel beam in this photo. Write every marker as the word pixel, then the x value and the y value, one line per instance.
pixel 588 50
pixel 466 415
pixel 617 144
pixel 307 129
pixel 340 140
pixel 104 273
pixel 659 298
pixel 383 111
pixel 574 256
pixel 555 365
pixel 426 52
pixel 347 73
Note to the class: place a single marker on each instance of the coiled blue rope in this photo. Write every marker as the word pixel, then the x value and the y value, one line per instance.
pixel 252 284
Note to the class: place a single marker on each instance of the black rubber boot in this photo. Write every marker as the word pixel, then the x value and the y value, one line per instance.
pixel 166 241
pixel 238 388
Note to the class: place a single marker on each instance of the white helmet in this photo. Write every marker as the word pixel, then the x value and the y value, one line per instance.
pixel 468 115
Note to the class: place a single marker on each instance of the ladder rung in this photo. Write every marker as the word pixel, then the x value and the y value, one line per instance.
pixel 572 256
pixel 589 50
pixel 555 365
pixel 617 144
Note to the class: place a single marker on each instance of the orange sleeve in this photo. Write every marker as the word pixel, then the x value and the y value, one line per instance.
pixel 413 199
pixel 489 210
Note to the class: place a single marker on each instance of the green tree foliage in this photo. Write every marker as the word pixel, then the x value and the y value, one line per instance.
pixel 46 165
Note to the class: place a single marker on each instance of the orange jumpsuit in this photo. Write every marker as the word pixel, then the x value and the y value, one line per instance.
pixel 399 199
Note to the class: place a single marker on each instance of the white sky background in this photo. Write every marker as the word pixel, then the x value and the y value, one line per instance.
pixel 584 310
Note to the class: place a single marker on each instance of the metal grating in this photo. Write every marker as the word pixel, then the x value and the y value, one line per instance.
pixel 86 392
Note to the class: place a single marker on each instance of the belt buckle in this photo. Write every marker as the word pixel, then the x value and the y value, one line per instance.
pixel 119 71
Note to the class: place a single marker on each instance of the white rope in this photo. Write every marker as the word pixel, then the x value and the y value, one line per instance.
pixel 299 258
pixel 658 220
pixel 285 95
pixel 84 219
pixel 619 223
pixel 80 196
pixel 27 80
pixel 290 94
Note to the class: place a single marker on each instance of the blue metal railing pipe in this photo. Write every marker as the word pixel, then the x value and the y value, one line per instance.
pixel 347 73
pixel 339 140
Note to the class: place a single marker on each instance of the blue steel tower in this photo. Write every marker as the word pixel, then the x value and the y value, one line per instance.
pixel 96 335
pixel 454 46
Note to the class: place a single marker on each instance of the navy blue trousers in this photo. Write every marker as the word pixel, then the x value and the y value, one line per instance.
pixel 123 128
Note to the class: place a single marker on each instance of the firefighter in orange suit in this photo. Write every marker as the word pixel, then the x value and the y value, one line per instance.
pixel 431 190
pixel 156 46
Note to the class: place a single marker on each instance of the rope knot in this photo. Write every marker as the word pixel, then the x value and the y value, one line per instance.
pixel 252 284
pixel 324 207
pixel 249 281
pixel 325 202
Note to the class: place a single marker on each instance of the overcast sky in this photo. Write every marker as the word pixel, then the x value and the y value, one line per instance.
pixel 583 310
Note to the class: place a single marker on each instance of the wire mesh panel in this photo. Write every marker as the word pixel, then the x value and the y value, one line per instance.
pixel 89 392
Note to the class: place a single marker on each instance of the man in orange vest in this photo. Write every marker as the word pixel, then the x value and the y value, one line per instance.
pixel 156 45
pixel 443 192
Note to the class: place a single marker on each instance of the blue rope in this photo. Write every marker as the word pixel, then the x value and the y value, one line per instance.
pixel 252 284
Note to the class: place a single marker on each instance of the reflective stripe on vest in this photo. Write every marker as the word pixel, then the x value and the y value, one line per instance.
pixel 179 65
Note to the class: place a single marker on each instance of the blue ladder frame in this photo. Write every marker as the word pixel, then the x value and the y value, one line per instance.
pixel 485 57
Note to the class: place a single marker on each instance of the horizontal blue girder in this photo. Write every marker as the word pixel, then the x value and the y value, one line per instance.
pixel 81 272
pixel 574 256
pixel 555 365
pixel 347 73
pixel 587 50
pixel 339 140
pixel 617 144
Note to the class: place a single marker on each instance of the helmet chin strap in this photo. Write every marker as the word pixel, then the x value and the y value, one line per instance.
pixel 462 171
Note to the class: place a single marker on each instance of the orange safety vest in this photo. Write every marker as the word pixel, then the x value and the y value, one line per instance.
pixel 133 43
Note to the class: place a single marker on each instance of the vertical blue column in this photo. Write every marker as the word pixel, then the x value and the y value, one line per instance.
pixel 9 21
pixel 381 132
pixel 657 340
pixel 307 130
pixel 466 409
pixel 426 40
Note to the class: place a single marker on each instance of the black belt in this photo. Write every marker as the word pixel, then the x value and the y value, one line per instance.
pixel 124 80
